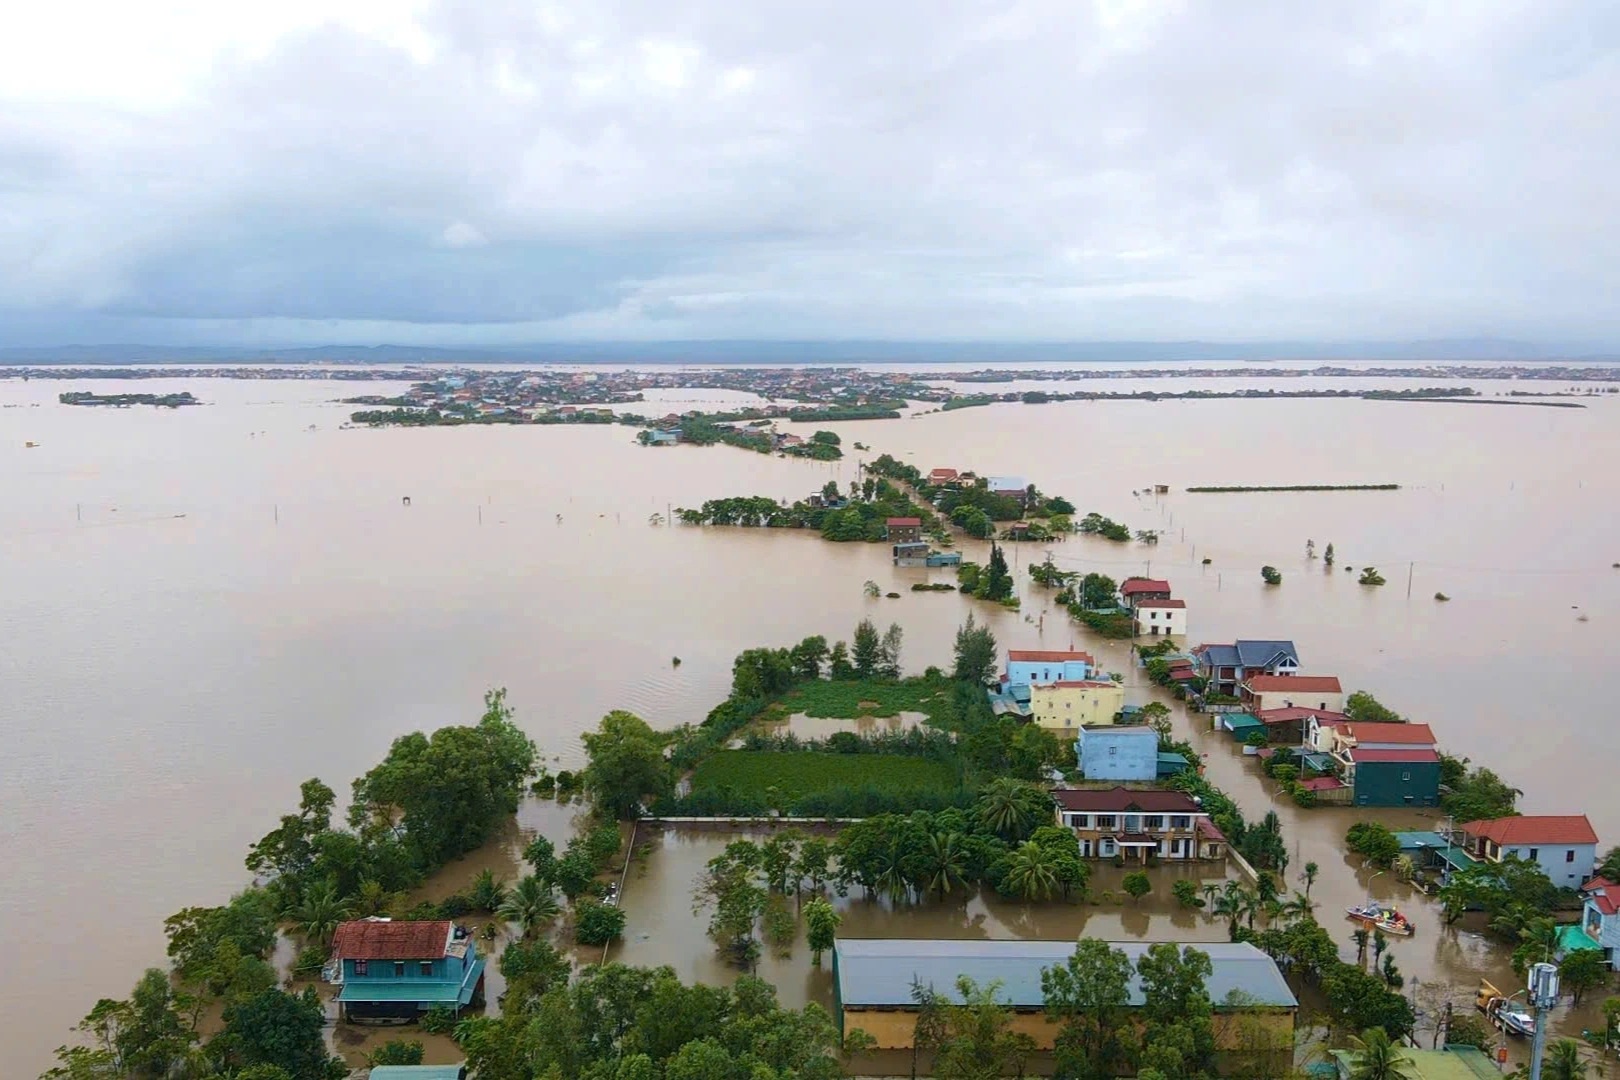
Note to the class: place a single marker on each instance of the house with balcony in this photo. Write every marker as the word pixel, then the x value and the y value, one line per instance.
pixel 1227 667
pixel 1167 618
pixel 1600 917
pixel 1066 706
pixel 1288 726
pixel 1119 821
pixel 398 970
pixel 1321 692
pixel 1563 845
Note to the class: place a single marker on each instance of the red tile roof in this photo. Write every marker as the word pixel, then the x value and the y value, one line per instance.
pixel 901 522
pixel 1118 800
pixel 1405 734
pixel 938 475
pixel 1322 783
pixel 1142 584
pixel 1162 604
pixel 365 940
pixel 1400 755
pixel 1534 829
pixel 1305 684
pixel 1606 896
pixel 1045 656
pixel 1209 830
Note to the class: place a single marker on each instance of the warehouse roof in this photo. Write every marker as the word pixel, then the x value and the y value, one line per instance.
pixel 879 972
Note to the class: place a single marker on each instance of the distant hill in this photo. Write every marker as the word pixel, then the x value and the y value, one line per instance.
pixel 816 352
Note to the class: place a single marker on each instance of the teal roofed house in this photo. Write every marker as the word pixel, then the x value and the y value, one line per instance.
pixel 419 1072
pixel 398 970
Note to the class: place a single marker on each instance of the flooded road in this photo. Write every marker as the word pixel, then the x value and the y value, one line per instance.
pixel 201 608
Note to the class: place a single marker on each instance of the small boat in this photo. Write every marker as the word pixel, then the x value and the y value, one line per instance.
pixel 1382 918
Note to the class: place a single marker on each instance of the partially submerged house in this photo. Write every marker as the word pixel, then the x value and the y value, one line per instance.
pixel 1117 752
pixel 1227 667
pixel 1563 845
pixel 873 980
pixel 1119 821
pixel 1287 725
pixel 1028 667
pixel 1386 764
pixel 1161 618
pixel 399 970
pixel 1136 590
pixel 1600 917
pixel 1321 692
pixel 903 530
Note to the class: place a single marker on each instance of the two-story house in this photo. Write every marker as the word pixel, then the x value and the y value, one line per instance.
pixel 1157 618
pixel 398 970
pixel 1118 821
pixel 1385 764
pixel 1227 667
pixel 1563 845
pixel 1136 590
pixel 1600 917
pixel 1320 692
pixel 903 530
pixel 1066 706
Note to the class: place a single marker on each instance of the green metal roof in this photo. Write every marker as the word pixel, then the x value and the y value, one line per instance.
pixel 1573 937
pixel 1452 1063
pixel 879 972
pixel 1242 721
pixel 406 990
pixel 417 1072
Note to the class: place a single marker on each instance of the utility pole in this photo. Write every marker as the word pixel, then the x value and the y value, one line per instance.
pixel 1543 996
pixel 1409 567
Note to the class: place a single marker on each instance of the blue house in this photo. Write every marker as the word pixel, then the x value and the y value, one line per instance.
pixel 1600 917
pixel 398 970
pixel 1114 752
pixel 1226 667
pixel 1042 668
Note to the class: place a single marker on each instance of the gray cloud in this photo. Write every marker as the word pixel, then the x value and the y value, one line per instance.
pixel 503 171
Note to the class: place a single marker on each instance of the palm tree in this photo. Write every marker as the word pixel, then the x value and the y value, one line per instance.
pixel 1311 870
pixel 1004 808
pixel 373 899
pixel 944 863
pixel 1378 1058
pixel 1563 1061
pixel 1230 905
pixel 1300 906
pixel 1030 873
pixel 1380 943
pixel 1361 937
pixel 891 880
pixel 320 913
pixel 1210 891
pixel 531 905
pixel 488 892
pixel 1392 974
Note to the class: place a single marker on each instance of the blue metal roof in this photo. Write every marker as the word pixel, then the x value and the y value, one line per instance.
pixel 879 972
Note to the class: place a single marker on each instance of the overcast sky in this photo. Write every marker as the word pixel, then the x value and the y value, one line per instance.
pixel 499 171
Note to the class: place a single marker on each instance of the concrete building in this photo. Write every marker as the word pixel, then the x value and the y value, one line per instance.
pixel 1132 823
pixel 873 979
pixel 1029 667
pixel 1162 618
pixel 398 970
pixel 1112 752
pixel 1227 667
pixel 1136 590
pixel 1563 845
pixel 904 530
pixel 1600 917
pixel 1066 706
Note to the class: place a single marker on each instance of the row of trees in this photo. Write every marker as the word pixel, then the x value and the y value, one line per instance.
pixel 859 518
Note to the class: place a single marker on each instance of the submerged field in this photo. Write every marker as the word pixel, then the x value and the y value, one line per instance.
pixel 784 777
pixel 868 697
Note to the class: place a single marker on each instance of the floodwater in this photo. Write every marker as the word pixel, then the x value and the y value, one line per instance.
pixel 820 727
pixel 201 608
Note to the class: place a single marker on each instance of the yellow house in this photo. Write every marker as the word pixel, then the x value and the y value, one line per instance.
pixel 1065 707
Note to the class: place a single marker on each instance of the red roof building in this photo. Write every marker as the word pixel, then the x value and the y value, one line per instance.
pixel 1046 656
pixel 1304 684
pixel 1388 755
pixel 365 939
pixel 895 523
pixel 1548 829
pixel 942 476
pixel 1162 605
pixel 1140 586
pixel 1375 734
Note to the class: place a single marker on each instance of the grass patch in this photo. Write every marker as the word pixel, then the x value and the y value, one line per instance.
pixel 825 698
pixel 751 773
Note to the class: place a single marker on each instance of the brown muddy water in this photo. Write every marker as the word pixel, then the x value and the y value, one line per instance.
pixel 201 608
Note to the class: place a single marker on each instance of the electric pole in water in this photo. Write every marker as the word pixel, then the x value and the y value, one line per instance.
pixel 1409 567
pixel 1543 996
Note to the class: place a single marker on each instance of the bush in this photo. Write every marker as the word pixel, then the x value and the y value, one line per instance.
pixel 1186 893
pixel 310 960
pixel 567 783
pixel 1373 841
pixel 597 924
pixel 1270 575
pixel 439 1020
pixel 455 906
pixel 1370 576
pixel 396 1052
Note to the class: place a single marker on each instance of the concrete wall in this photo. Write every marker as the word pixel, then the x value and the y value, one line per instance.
pixel 1034 672
pixel 1066 709
pixel 1555 863
pixel 1323 700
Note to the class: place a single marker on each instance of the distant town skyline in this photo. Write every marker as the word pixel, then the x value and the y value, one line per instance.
pixel 462 174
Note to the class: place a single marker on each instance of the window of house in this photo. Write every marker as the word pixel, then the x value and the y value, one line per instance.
pixel 1105 821
pixel 1406 775
pixel 1569 856
pixel 359 967
pixel 1181 821
pixel 1112 750
pixel 427 968
pixel 1533 853
pixel 399 969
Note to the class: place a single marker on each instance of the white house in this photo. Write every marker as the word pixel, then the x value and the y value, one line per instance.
pixel 1563 845
pixel 1322 693
pixel 1161 617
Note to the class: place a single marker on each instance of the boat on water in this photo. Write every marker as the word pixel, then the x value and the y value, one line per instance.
pixel 1382 918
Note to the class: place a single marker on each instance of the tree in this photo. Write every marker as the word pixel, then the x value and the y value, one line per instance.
pixel 867 649
pixel 812 865
pixel 278 1028
pixel 808 656
pixel 288 853
pixel 541 855
pixel 838 665
pixel 530 905
pixel 597 924
pixel 998 583
pixel 889 652
pixel 1185 891
pixel 1360 937
pixel 532 968
pixel 979 1041
pixel 1011 808
pixel 575 872
pixel 1370 576
pixel 1327 556
pixel 930 1029
pixel 320 913
pixel 821 925
pixel 1030 874
pixel 1610 866
pixel 1358 1000
pixel 1088 995
pixel 1363 707
pixel 975 652
pixel 943 863
pixel 1271 575
pixel 1374 841
pixel 626 764
pixel 1177 1009
pixel 1376 1057
pixel 1391 974
pixel 1137 884
pixel 488 892
pixel 1311 870
pixel 396 1052
pixel 1582 970
pixel 1563 1061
